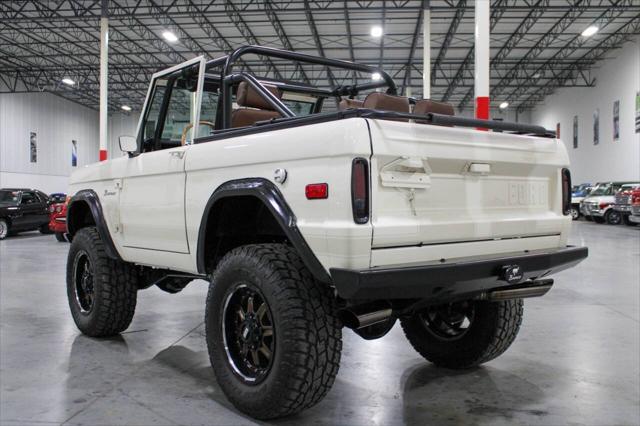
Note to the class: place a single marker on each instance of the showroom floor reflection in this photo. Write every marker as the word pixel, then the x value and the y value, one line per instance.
pixel 575 360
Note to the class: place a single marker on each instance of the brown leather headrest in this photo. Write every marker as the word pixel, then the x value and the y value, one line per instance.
pixel 426 106
pixel 384 102
pixel 349 104
pixel 246 96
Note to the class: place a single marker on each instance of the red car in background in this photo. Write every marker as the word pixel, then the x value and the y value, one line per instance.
pixel 634 217
pixel 58 220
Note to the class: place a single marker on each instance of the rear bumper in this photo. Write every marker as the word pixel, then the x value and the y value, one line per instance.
pixel 456 280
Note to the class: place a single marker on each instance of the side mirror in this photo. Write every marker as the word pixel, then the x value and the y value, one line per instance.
pixel 128 144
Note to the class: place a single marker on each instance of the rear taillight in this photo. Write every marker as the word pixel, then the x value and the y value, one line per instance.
pixel 566 191
pixel 360 190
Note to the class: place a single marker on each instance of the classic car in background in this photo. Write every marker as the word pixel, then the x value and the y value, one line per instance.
pixel 58 220
pixel 57 197
pixel 622 203
pixel 598 206
pixel 23 209
pixel 578 193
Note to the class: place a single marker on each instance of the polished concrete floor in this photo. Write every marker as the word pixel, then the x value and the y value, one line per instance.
pixel 576 360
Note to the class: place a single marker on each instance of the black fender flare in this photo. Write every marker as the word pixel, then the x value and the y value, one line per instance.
pixel 273 199
pixel 90 198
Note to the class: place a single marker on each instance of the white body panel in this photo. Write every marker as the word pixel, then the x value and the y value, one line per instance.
pixel 154 202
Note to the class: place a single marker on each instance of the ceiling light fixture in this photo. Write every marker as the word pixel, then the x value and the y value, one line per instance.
pixel 126 108
pixel 376 76
pixel 170 37
pixel 589 31
pixel 504 105
pixel 376 31
pixel 68 81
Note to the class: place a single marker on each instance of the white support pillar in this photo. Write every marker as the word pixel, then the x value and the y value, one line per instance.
pixel 426 53
pixel 482 58
pixel 104 73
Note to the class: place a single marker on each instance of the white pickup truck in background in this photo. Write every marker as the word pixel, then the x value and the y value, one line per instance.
pixel 306 219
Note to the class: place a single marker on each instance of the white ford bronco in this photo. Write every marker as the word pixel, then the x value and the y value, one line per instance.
pixel 309 210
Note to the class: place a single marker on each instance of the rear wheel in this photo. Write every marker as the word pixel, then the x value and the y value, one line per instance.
pixel 101 291
pixel 464 334
pixel 575 213
pixel 613 217
pixel 44 229
pixel 4 229
pixel 273 335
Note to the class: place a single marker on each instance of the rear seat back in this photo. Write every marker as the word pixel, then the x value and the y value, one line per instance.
pixel 384 102
pixel 255 107
pixel 350 104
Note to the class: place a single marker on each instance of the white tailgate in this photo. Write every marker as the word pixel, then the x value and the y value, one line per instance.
pixel 438 185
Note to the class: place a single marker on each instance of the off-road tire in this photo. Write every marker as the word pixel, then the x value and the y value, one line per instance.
pixel 492 331
pixel 4 225
pixel 308 335
pixel 44 229
pixel 60 237
pixel 114 286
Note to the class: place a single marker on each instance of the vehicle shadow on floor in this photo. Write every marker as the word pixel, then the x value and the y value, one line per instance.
pixel 433 395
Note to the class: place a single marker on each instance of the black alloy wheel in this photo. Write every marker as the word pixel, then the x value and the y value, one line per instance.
pixel 448 322
pixel 83 274
pixel 248 333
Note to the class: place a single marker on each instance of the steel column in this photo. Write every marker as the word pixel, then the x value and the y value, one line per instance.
pixel 104 73
pixel 426 50
pixel 482 31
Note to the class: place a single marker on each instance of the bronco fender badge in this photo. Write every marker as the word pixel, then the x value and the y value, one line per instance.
pixel 512 274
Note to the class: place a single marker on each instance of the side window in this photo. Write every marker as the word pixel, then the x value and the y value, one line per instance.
pixel 29 198
pixel 153 112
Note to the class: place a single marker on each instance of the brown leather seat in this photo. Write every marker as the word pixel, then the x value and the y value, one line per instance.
pixel 255 107
pixel 427 106
pixel 384 102
pixel 350 104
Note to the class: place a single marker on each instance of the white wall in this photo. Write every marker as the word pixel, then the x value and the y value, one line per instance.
pixel 120 124
pixel 618 78
pixel 56 122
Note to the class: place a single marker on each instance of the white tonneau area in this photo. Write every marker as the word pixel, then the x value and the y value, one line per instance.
pixel 445 192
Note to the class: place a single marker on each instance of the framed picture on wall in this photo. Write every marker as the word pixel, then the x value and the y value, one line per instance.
pixel 33 147
pixel 616 121
pixel 596 126
pixel 74 153
pixel 575 132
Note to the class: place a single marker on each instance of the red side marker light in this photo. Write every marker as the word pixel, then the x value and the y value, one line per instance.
pixel 316 191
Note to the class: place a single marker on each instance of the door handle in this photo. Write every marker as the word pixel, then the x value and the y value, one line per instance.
pixel 178 154
pixel 406 172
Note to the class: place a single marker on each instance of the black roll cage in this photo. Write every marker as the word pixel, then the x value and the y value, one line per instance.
pixel 228 78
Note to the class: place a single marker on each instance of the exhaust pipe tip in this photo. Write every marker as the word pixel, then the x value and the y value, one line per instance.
pixel 365 315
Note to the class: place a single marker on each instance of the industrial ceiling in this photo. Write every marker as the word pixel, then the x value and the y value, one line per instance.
pixel 536 45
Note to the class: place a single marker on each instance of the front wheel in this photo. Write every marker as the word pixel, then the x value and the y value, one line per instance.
pixel 273 335
pixel 464 334
pixel 44 229
pixel 613 217
pixel 4 229
pixel 101 291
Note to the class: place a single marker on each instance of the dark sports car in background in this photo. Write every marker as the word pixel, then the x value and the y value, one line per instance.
pixel 23 209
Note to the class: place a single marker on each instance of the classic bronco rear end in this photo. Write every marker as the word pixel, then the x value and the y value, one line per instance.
pixel 306 221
